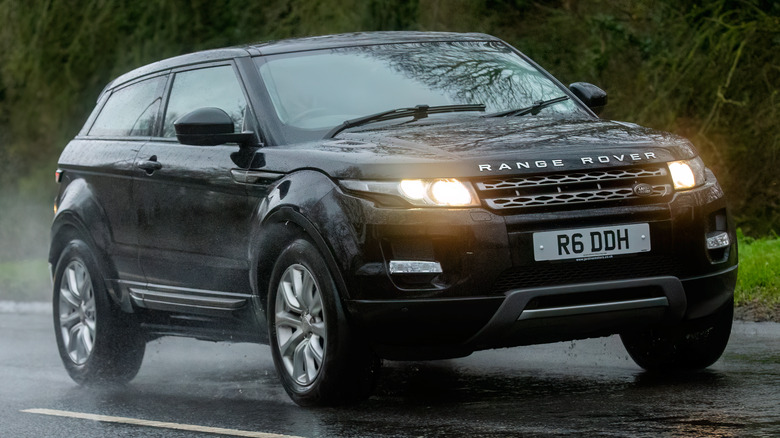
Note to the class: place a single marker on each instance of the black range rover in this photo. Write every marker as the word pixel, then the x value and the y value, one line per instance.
pixel 379 195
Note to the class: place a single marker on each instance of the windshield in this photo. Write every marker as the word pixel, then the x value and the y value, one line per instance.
pixel 316 90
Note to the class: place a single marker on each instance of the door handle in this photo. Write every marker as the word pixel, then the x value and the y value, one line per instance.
pixel 150 165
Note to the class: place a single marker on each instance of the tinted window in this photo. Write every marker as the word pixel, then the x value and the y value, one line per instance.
pixel 208 87
pixel 130 111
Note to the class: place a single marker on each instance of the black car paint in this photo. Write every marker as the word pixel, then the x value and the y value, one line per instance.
pixel 204 222
pixel 101 208
pixel 192 219
pixel 455 146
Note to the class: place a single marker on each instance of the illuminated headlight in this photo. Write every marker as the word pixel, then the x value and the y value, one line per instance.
pixel 439 192
pixel 687 174
pixel 450 192
pixel 413 189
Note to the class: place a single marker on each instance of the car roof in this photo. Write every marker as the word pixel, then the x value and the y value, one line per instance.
pixel 294 45
pixel 362 39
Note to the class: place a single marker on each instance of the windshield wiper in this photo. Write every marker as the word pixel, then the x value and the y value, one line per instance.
pixel 533 109
pixel 417 112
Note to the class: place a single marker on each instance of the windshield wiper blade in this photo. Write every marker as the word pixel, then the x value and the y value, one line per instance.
pixel 533 109
pixel 417 112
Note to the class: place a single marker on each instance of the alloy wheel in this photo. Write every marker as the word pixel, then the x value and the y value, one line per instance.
pixel 300 324
pixel 77 316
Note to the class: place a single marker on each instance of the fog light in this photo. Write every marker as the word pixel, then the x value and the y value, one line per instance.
pixel 414 267
pixel 718 239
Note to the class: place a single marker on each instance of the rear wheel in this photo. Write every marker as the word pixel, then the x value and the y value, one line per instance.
pixel 692 345
pixel 320 362
pixel 97 342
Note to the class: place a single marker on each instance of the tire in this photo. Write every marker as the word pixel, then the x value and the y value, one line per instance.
pixel 694 345
pixel 97 342
pixel 319 361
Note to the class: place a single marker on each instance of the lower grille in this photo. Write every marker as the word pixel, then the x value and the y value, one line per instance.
pixel 555 274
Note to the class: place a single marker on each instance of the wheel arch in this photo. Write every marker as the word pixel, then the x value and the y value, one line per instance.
pixel 78 209
pixel 277 231
pixel 79 217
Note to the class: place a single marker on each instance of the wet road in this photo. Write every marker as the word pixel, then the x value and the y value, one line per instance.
pixel 587 388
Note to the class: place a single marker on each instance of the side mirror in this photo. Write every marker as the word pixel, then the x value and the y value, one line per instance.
pixel 592 96
pixel 209 127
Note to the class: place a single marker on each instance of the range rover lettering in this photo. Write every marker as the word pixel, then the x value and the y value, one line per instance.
pixel 401 195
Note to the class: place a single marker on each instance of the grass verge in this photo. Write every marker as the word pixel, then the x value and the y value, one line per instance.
pixel 758 287
pixel 26 280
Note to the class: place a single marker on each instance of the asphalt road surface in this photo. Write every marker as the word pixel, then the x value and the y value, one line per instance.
pixel 191 388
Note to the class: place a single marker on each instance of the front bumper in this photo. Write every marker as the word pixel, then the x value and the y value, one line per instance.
pixel 492 293
pixel 445 328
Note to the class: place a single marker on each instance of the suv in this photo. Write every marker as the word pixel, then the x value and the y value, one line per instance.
pixel 406 196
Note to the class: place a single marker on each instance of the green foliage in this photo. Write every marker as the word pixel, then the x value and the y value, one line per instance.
pixel 707 70
pixel 759 271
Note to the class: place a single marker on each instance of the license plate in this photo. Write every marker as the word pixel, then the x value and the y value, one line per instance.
pixel 582 243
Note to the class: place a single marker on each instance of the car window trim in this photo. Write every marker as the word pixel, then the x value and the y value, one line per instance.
pixel 157 134
pixel 105 97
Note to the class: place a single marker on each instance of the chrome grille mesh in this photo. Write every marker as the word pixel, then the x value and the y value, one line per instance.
pixel 563 178
pixel 561 189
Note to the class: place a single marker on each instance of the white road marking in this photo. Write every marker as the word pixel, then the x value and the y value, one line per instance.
pixel 157 424
pixel 37 307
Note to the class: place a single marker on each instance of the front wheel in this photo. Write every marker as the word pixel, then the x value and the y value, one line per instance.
pixel 97 342
pixel 320 362
pixel 693 345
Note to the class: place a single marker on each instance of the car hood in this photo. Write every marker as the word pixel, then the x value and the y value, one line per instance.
pixel 459 146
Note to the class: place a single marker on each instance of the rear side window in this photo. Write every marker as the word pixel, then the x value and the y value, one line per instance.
pixel 130 111
pixel 207 87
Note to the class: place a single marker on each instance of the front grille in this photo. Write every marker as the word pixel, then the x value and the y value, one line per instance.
pixel 619 268
pixel 562 189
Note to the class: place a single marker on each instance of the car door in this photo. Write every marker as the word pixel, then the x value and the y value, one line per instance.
pixel 103 157
pixel 193 217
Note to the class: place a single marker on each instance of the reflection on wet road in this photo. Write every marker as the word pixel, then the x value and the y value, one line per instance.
pixel 584 388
